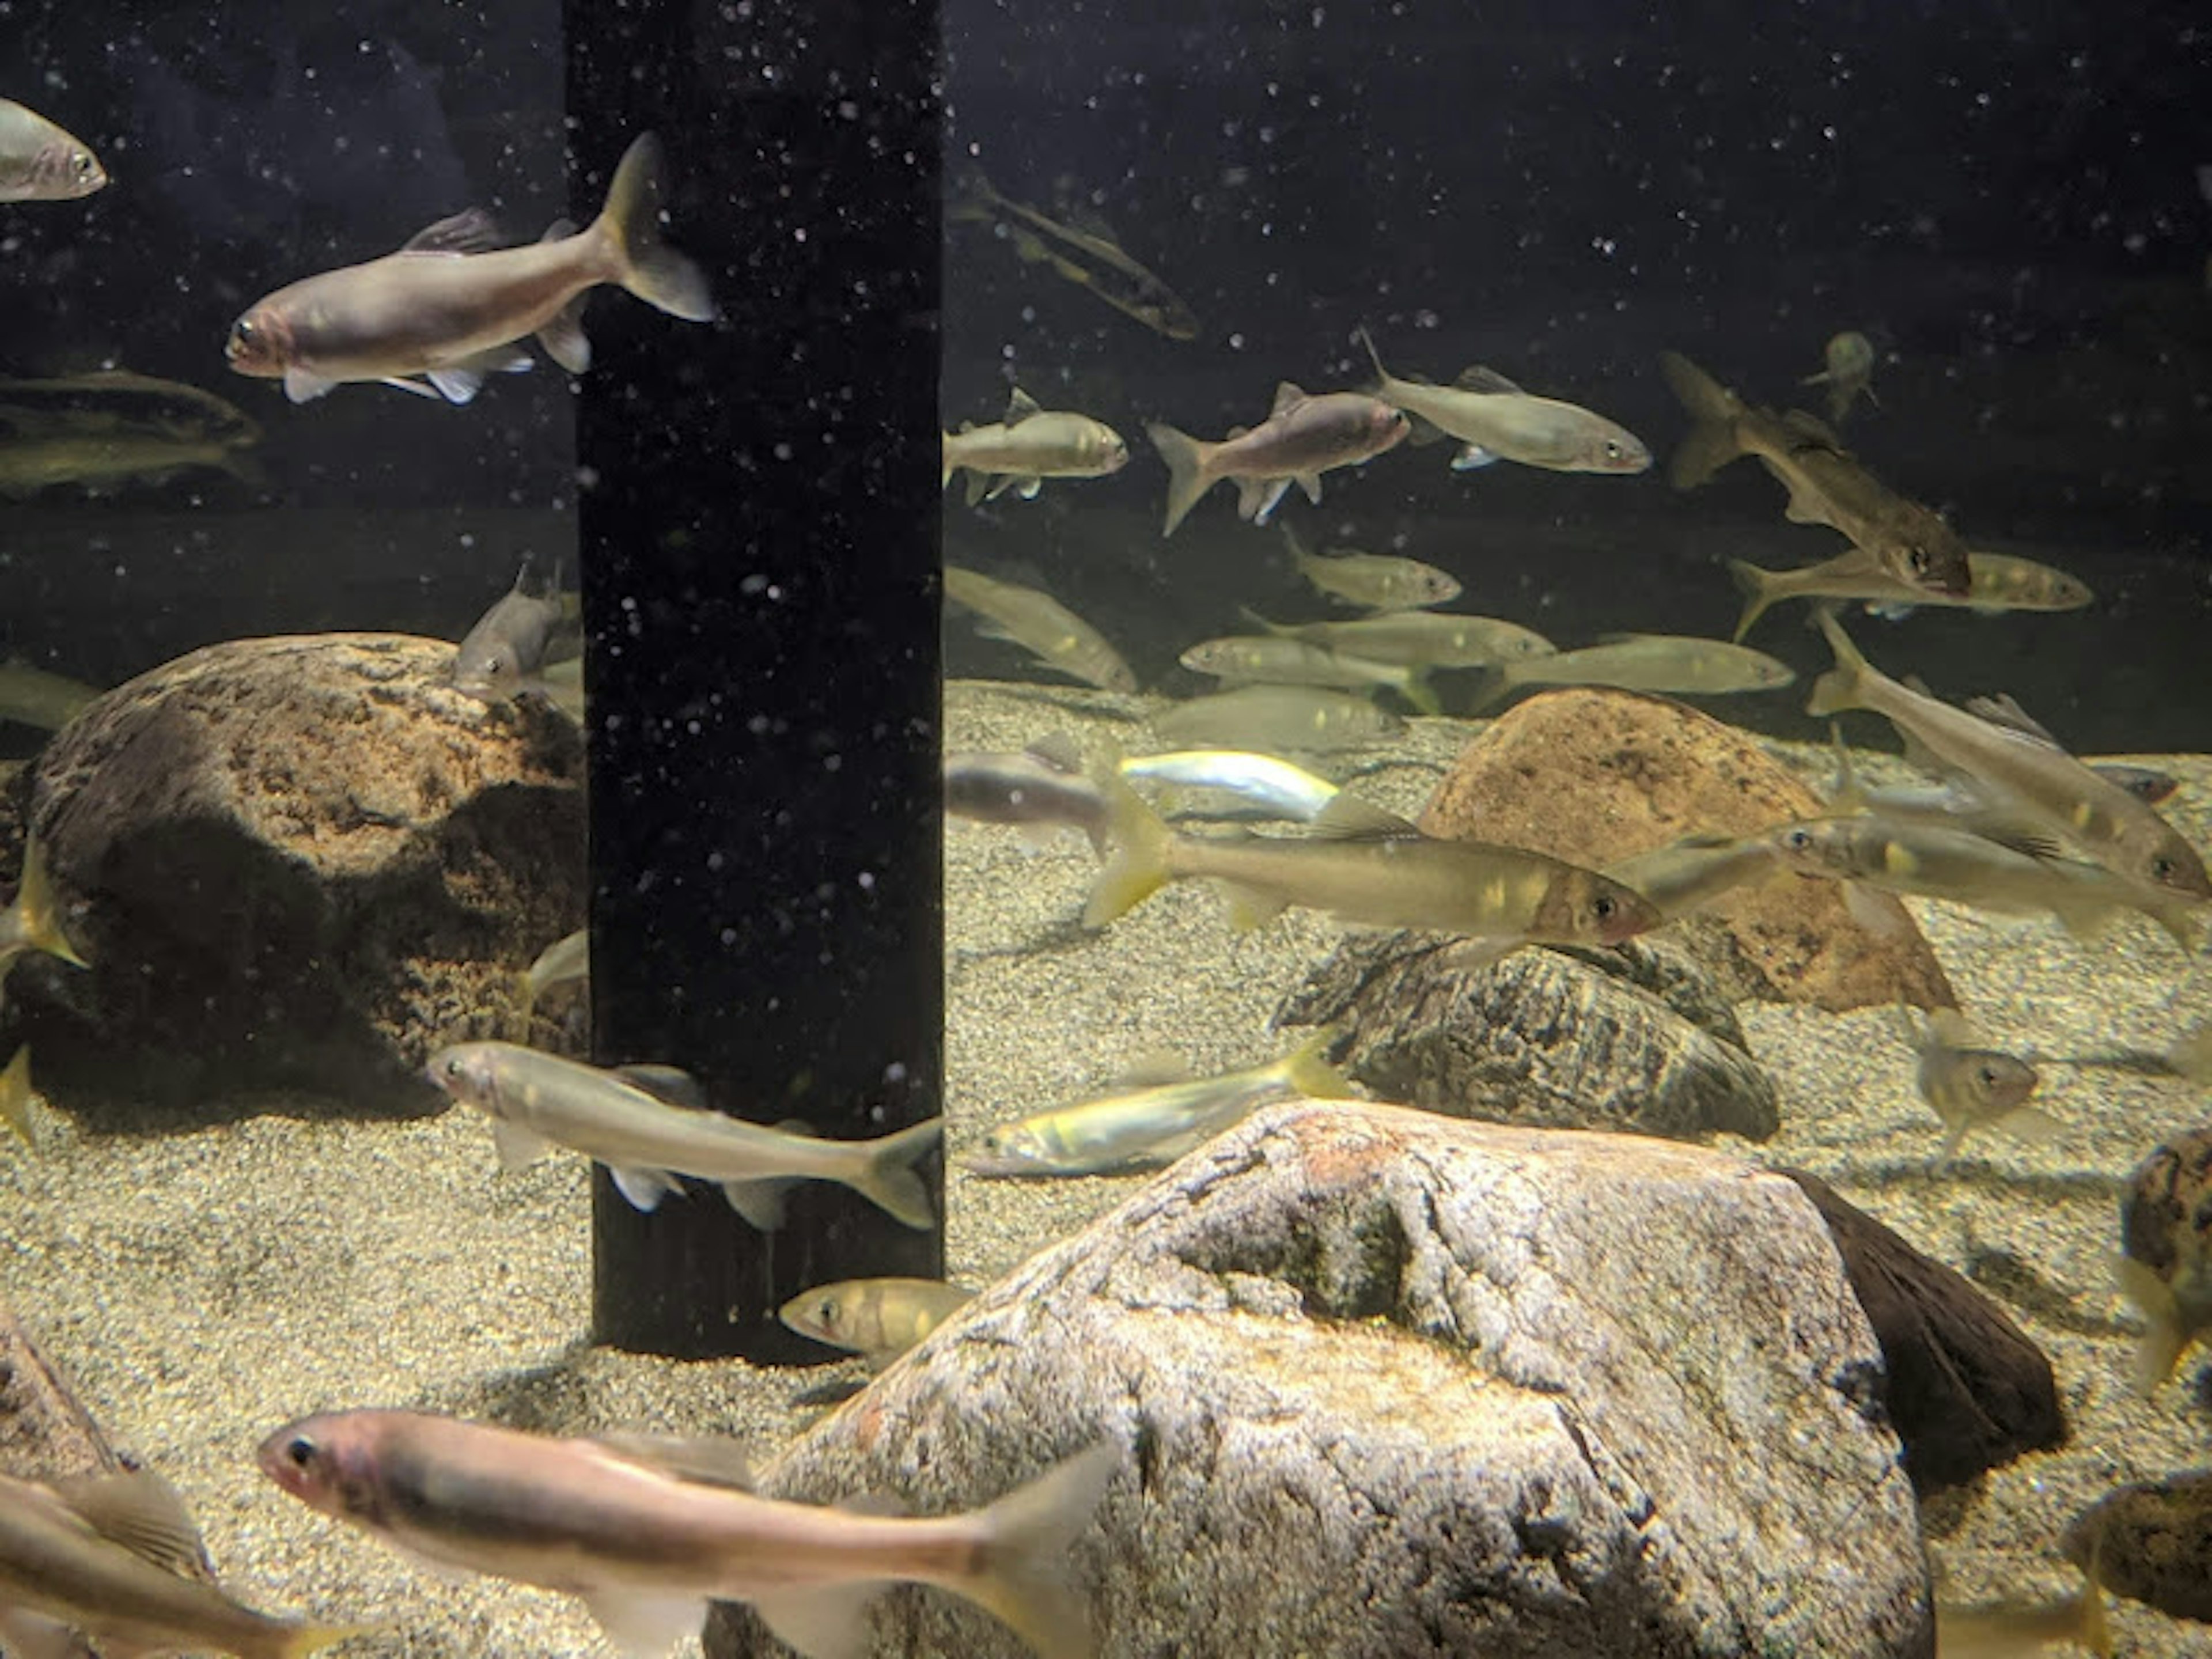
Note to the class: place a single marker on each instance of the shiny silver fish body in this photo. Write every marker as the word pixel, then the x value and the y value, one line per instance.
pixel 1041 625
pixel 1272 784
pixel 40 162
pixel 1026 789
pixel 1421 639
pixel 511 644
pixel 878 1318
pixel 1303 437
pixel 1495 420
pixel 1294 717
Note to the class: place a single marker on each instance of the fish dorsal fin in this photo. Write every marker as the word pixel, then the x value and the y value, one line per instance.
pixel 704 1459
pixel 140 1512
pixel 1347 817
pixel 670 1083
pixel 1812 430
pixel 1949 1029
pixel 1021 406
pixel 559 231
pixel 1288 396
pixel 1153 1069
pixel 469 231
pixel 2021 838
pixel 1480 378
pixel 1058 750
pixel 1629 638
pixel 1258 621
pixel 2004 710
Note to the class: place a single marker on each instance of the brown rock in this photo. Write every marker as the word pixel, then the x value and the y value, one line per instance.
pixel 2165 1224
pixel 1596 776
pixel 1967 1389
pixel 44 1433
pixel 2151 1542
pixel 297 863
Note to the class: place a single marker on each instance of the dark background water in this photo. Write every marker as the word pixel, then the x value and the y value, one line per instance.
pixel 2005 197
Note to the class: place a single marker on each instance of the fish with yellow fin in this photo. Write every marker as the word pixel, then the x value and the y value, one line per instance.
pixel 32 921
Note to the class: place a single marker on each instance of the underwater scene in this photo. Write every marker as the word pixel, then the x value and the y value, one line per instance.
pixel 1482 934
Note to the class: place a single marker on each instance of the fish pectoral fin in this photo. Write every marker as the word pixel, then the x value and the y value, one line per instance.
pixel 517 1147
pixel 1471 457
pixel 469 231
pixel 143 1513
pixel 1249 908
pixel 978 486
pixel 1310 482
pixel 1869 909
pixel 759 1202
pixel 670 1083
pixel 1027 488
pixel 1420 432
pixel 645 1188
pixel 399 383
pixel 646 1625
pixel 304 385
pixel 830 1624
pixel 704 1459
pixel 1260 495
pixel 563 337
pixel 1480 378
pixel 459 383
pixel 1804 506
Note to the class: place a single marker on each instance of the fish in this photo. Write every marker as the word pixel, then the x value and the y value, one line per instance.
pixel 1494 420
pixel 1273 785
pixel 2111 826
pixel 1149 1127
pixel 648 1531
pixel 114 1558
pixel 1303 437
pixel 2145 1542
pixel 1997 582
pixel 99 462
pixel 19 1098
pixel 1684 876
pixel 1089 256
pixel 1042 785
pixel 1030 444
pixel 39 162
pixel 563 685
pixel 1971 1086
pixel 1279 717
pixel 1041 626
pixel 1676 664
pixel 1847 371
pixel 878 1319
pixel 447 309
pixel 31 695
pixel 1272 659
pixel 527 628
pixel 2014 1630
pixel 1827 484
pixel 32 920
pixel 1422 639
pixel 1372 581
pixel 1955 804
pixel 565 962
pixel 1370 868
pixel 625 1120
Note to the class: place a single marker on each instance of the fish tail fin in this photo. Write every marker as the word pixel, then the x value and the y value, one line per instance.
pixel 1840 687
pixel 2165 1336
pixel 16 1096
pixel 1373 356
pixel 1712 442
pixel 1307 1068
pixel 629 225
pixel 889 1181
pixel 1023 1575
pixel 1188 479
pixel 1419 690
pixel 1756 588
pixel 1137 864
pixel 38 924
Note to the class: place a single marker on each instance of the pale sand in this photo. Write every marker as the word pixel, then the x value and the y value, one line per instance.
pixel 205 1287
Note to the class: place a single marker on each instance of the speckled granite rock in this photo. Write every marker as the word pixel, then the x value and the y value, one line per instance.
pixel 1395 1384
pixel 1595 776
pixel 45 1432
pixel 1637 1039
pixel 2151 1542
pixel 298 862
pixel 2166 1225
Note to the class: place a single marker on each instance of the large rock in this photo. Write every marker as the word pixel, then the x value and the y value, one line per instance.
pixel 1595 776
pixel 46 1432
pixel 295 863
pixel 1635 1039
pixel 2151 1541
pixel 1395 1384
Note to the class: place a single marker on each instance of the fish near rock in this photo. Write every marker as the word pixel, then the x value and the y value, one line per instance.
pixel 878 1319
pixel 1303 436
pixel 2165 1264
pixel 2150 1541
pixel 526 630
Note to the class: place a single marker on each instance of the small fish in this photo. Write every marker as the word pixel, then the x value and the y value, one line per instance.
pixel 504 655
pixel 99 463
pixel 1294 717
pixel 1826 485
pixel 1957 806
pixel 1272 659
pixel 32 696
pixel 537 1101
pixel 1088 256
pixel 1149 1127
pixel 116 1558
pixel 2015 1630
pixel 1676 664
pixel 878 1319
pixel 1970 1086
pixel 1848 373
pixel 1370 868
pixel 1273 785
pixel 39 162
pixel 1041 626
pixel 2016 769
pixel 1303 437
pixel 450 306
pixel 1373 581
pixel 567 961
pixel 648 1531
pixel 1419 639
pixel 1997 583
pixel 31 922
pixel 1684 876
pixel 1495 420
pixel 1030 444
pixel 19 1099
pixel 1044 785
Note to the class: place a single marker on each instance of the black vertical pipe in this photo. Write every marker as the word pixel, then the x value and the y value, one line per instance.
pixel 758 519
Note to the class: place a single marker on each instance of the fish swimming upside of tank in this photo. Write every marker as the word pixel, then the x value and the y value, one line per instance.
pixel 448 308
pixel 1088 255
pixel 1494 420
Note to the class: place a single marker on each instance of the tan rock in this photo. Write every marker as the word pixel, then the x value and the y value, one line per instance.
pixel 46 1432
pixel 1595 775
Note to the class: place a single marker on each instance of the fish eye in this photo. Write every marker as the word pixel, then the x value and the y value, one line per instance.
pixel 242 331
pixel 1613 449
pixel 1798 841
pixel 454 1067
pixel 827 1312
pixel 300 1451
pixel 1986 1075
pixel 2162 867
pixel 1917 557
pixel 82 163
pixel 1603 906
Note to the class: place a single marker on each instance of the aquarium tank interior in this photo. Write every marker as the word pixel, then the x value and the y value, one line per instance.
pixel 1359 829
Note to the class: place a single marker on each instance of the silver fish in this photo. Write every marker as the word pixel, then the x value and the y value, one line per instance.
pixel 1372 581
pixel 39 162
pixel 525 630
pixel 878 1319
pixel 1272 660
pixel 36 696
pixel 1030 444
pixel 1044 785
pixel 1847 371
pixel 1042 625
pixel 1087 255
pixel 1293 717
pixel 1303 437
pixel 1971 1086
pixel 1272 784
pixel 1420 639
pixel 1495 420
pixel 1674 664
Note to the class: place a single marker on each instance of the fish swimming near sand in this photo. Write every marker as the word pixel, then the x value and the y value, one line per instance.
pixel 448 308
pixel 1372 581
pixel 1273 785
pixel 648 1531
pixel 1274 659
pixel 626 1121
pixel 567 961
pixel 1997 583
pixel 1300 718
pixel 1043 787
pixel 1494 420
pixel 1847 370
pixel 1030 444
pixel 1673 664
pixel 527 629
pixel 1419 639
pixel 878 1319
pixel 1041 625
pixel 1303 436
pixel 40 162
pixel 1087 254
pixel 32 696
pixel 1971 1086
